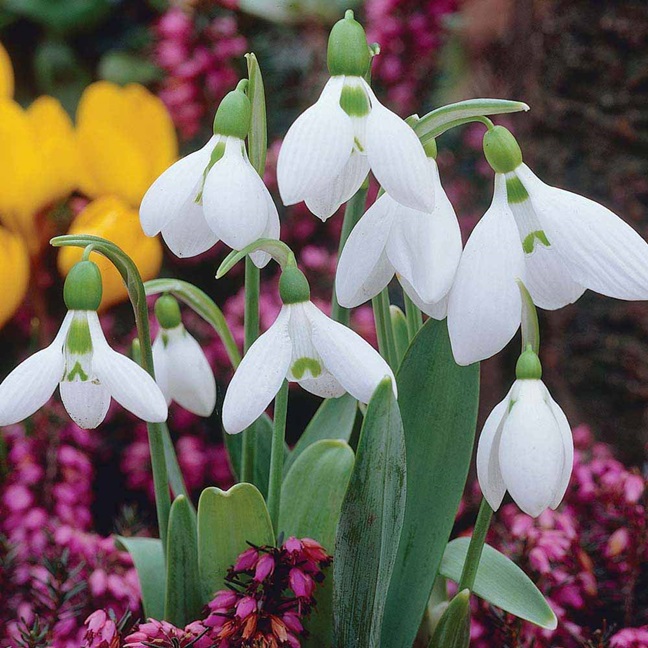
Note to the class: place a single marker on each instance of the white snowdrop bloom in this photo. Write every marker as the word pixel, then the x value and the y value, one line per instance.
pixel 87 371
pixel 213 194
pixel 330 148
pixel 303 345
pixel 526 448
pixel 557 242
pixel 422 248
pixel 181 369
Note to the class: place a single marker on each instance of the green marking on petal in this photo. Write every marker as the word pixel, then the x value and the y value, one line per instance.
pixel 515 191
pixel 216 155
pixel 357 145
pixel 78 340
pixel 77 370
pixel 528 244
pixel 301 366
pixel 165 340
pixel 354 101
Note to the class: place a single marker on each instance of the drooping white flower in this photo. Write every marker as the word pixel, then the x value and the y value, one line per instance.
pixel 214 193
pixel 329 150
pixel 526 448
pixel 557 242
pixel 303 345
pixel 422 248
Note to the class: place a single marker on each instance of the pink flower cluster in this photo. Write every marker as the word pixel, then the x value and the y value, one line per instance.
pixel 198 61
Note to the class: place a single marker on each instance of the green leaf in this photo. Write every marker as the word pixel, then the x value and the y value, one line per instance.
pixel 453 629
pixel 438 402
pixel 258 136
pixel 500 582
pixel 174 472
pixel 148 559
pixel 182 601
pixel 334 419
pixel 202 304
pixel 370 525
pixel 438 121
pixel 401 335
pixel 227 521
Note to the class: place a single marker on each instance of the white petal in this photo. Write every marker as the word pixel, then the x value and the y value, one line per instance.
pixel 437 310
pixel 325 385
pixel 531 449
pixel 326 200
pixel 316 147
pixel 131 386
pixel 363 268
pixel 568 450
pixel 425 248
pixel 355 364
pixel 86 402
pixel 484 310
pixel 305 362
pixel 172 195
pixel 272 231
pixel 234 198
pixel 191 379
pixel 162 367
pixel 488 468
pixel 259 376
pixel 31 384
pixel 601 251
pixel 397 158
pixel 189 234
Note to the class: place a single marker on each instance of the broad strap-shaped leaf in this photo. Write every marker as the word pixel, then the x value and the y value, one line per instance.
pixel 148 558
pixel 438 402
pixel 370 525
pixel 227 522
pixel 182 601
pixel 500 582
pixel 334 419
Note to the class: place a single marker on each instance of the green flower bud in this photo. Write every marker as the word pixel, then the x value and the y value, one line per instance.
pixel 167 312
pixel 453 629
pixel 293 285
pixel 502 150
pixel 83 288
pixel 348 52
pixel 528 366
pixel 234 114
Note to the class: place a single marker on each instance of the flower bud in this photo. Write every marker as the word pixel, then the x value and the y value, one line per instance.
pixel 234 114
pixel 528 366
pixel 453 630
pixel 167 312
pixel 293 286
pixel 502 150
pixel 83 289
pixel 348 52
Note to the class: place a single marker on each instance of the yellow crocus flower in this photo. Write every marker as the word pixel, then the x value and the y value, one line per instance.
pixel 14 273
pixel 6 74
pixel 112 218
pixel 126 139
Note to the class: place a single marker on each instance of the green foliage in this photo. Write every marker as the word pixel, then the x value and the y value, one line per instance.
pixel 453 629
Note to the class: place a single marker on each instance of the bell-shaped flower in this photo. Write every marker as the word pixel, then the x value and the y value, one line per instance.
pixel 213 194
pixel 329 150
pixel 422 248
pixel 181 369
pixel 558 243
pixel 88 372
pixel 526 447
pixel 303 345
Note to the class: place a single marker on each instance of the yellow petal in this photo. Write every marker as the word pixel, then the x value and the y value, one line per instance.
pixel 6 74
pixel 111 218
pixel 14 274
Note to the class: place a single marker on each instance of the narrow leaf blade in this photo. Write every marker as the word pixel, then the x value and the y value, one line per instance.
pixel 258 137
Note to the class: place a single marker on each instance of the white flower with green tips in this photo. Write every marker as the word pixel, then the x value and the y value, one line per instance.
pixel 181 369
pixel 303 345
pixel 84 367
pixel 213 194
pixel 328 151
pixel 558 243
pixel 526 446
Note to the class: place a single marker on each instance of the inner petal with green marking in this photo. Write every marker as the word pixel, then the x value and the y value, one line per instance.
pixel 529 227
pixel 305 368
pixel 78 350
pixel 306 362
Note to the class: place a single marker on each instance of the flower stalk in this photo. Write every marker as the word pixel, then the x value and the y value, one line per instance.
pixel 384 330
pixel 413 315
pixel 477 540
pixel 277 455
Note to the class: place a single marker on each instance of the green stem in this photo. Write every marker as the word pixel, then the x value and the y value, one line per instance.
pixel 476 546
pixel 252 281
pixel 384 330
pixel 277 454
pixel 530 326
pixel 354 210
pixel 413 315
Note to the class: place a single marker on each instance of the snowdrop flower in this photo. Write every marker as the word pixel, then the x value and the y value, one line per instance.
pixel 305 346
pixel 213 193
pixel 329 150
pixel 557 242
pixel 181 369
pixel 422 248
pixel 79 360
pixel 526 446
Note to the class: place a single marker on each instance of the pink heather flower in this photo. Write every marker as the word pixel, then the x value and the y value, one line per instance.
pixel 301 583
pixel 247 560
pixel 245 607
pixel 264 568
pixel 101 631
pixel 630 638
pixel 165 635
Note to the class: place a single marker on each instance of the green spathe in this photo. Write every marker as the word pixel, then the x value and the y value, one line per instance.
pixel 83 288
pixel 293 285
pixel 453 630
pixel 502 150
pixel 234 114
pixel 167 312
pixel 348 52
pixel 528 366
